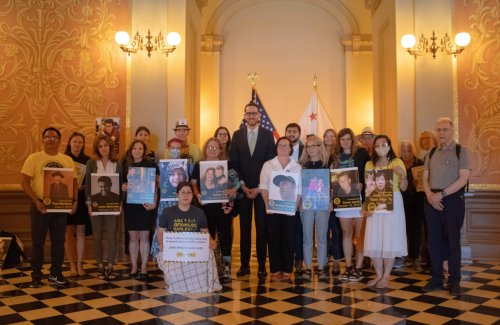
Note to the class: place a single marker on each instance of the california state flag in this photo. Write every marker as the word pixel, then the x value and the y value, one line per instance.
pixel 315 120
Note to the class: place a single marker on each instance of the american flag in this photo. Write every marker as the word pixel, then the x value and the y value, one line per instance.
pixel 265 120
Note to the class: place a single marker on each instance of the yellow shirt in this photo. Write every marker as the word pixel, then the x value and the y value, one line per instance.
pixel 395 178
pixel 36 162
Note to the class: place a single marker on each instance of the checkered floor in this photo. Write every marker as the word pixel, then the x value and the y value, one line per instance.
pixel 88 300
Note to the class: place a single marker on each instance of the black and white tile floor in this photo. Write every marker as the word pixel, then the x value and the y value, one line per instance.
pixel 88 300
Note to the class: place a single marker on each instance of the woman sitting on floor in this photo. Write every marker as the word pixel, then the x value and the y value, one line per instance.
pixel 190 277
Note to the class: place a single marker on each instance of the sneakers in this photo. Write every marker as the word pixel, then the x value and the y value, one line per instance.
pixel 307 275
pixel 226 276
pixel 356 275
pixel 36 283
pixel 324 273
pixel 399 263
pixel 345 276
pixel 58 279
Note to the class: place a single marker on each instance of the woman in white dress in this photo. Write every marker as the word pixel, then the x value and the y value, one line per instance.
pixel 385 235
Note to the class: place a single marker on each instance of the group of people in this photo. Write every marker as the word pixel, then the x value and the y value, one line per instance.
pixel 252 157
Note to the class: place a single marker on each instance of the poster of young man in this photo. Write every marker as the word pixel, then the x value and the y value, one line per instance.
pixel 345 193
pixel 105 197
pixel 109 126
pixel 141 185
pixel 418 173
pixel 283 193
pixel 213 181
pixel 58 189
pixel 315 189
pixel 172 172
pixel 379 195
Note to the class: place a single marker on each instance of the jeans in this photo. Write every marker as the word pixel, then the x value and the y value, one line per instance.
pixel 309 219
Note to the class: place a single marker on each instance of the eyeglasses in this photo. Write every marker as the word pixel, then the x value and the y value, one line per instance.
pixel 382 145
pixel 251 113
pixel 51 138
pixel 185 193
pixel 443 129
pixel 283 145
pixel 213 148
pixel 313 146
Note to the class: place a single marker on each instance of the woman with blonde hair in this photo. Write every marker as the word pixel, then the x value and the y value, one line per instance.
pixel 315 156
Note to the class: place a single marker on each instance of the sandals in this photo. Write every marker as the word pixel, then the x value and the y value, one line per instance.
pixel 372 283
pixel 382 284
pixel 101 273
pixel 110 274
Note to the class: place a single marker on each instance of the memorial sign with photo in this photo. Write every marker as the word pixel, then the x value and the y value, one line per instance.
pixel 141 184
pixel 109 126
pixel 80 172
pixel 105 197
pixel 418 174
pixel 58 189
pixel 315 189
pixel 379 190
pixel 345 193
pixel 185 246
pixel 4 249
pixel 172 172
pixel 213 181
pixel 283 193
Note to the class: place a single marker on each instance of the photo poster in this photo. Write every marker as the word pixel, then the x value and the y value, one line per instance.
pixel 379 190
pixel 172 172
pixel 315 189
pixel 283 192
pixel 418 174
pixel 80 173
pixel 4 249
pixel 141 183
pixel 58 189
pixel 109 126
pixel 345 193
pixel 213 181
pixel 104 190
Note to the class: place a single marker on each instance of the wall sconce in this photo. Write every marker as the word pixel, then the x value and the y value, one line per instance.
pixel 153 43
pixel 408 42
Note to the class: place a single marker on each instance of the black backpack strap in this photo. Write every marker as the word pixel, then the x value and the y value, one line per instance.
pixel 433 149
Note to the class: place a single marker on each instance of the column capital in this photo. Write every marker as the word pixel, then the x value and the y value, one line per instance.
pixel 211 43
pixel 357 43
pixel 372 5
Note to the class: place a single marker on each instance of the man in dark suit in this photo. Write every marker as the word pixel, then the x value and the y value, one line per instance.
pixel 251 146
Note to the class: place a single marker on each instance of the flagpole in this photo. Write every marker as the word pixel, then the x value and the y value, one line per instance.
pixel 253 76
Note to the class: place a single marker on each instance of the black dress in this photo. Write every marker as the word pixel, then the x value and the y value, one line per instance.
pixel 81 216
pixel 137 218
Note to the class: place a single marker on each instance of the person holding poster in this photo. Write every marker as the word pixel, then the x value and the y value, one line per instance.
pixel 414 206
pixel 184 217
pixel 385 235
pixel 138 217
pixel 349 154
pixel 281 227
pixel 77 222
pixel 220 224
pixel 315 156
pixel 32 182
pixel 104 162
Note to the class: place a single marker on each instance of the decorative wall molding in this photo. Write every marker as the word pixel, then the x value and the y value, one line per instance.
pixel 59 66
pixel 358 43
pixel 372 5
pixel 201 4
pixel 211 43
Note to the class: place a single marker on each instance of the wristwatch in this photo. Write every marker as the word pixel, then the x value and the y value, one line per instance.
pixel 443 193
